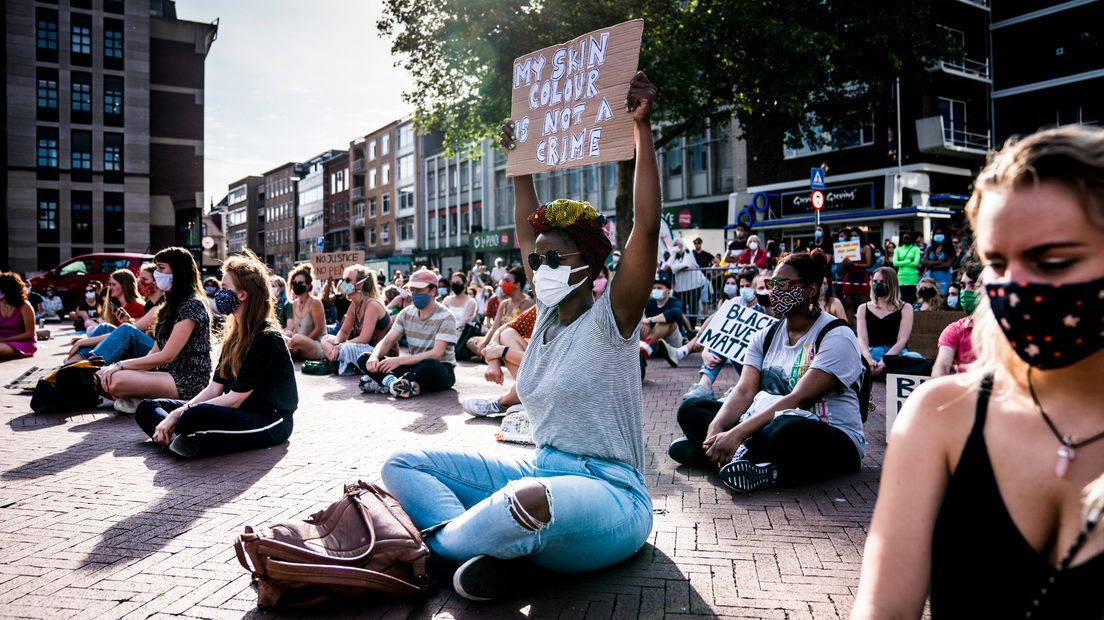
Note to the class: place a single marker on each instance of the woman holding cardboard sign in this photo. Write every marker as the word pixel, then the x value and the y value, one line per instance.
pixel 581 503
pixel 999 471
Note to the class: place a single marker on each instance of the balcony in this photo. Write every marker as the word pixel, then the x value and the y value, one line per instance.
pixel 981 4
pixel 358 166
pixel 356 192
pixel 970 69
pixel 933 137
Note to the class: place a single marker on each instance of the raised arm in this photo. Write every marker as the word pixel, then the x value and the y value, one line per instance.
pixel 629 291
pixel 525 200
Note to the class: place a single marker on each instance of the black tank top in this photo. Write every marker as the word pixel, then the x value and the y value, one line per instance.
pixel 982 567
pixel 882 331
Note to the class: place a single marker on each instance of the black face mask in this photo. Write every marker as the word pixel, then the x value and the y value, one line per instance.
pixel 880 289
pixel 1050 326
pixel 298 288
pixel 927 294
pixel 763 299
pixel 457 288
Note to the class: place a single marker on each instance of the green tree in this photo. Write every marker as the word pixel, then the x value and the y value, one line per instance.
pixel 793 69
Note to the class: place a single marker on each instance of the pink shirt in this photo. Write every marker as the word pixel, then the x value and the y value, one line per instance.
pixel 957 336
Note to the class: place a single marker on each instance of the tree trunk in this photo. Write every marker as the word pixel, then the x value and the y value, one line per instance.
pixel 624 201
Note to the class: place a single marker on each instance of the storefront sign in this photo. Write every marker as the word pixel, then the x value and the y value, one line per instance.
pixel 568 101
pixel 492 240
pixel 732 328
pixel 678 218
pixel 840 198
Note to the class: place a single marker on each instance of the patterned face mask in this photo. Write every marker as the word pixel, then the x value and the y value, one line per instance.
pixel 782 302
pixel 1050 326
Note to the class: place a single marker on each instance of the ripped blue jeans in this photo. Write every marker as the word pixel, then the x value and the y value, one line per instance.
pixel 461 500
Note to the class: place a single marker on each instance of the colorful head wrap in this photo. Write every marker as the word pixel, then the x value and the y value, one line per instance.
pixel 585 226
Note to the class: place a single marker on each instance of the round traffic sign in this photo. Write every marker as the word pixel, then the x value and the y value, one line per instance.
pixel 208 243
pixel 818 199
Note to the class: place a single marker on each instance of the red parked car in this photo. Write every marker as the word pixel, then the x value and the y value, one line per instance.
pixel 70 278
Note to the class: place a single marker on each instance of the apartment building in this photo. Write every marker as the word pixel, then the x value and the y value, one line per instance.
pixel 241 214
pixel 281 239
pixel 336 210
pixel 103 140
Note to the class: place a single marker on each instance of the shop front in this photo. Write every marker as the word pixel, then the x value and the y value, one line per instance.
pixel 492 244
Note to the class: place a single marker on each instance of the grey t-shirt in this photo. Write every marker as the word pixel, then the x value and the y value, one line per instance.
pixel 837 355
pixel 582 389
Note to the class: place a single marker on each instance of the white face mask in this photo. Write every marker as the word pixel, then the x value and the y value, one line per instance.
pixel 615 258
pixel 275 291
pixel 657 294
pixel 163 280
pixel 90 296
pixel 753 246
pixel 552 284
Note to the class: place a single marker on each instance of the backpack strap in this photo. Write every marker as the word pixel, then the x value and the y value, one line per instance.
pixel 820 337
pixel 769 338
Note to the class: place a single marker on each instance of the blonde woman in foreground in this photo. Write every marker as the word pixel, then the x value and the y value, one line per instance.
pixel 998 472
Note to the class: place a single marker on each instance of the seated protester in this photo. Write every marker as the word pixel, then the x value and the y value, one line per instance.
pixel 307 323
pixel 123 306
pixel 52 304
pixel 91 310
pixel 179 364
pixel 793 417
pixel 663 315
pixel 34 299
pixel 762 295
pixel 951 304
pixel 515 302
pixel 829 302
pixel 366 321
pixel 884 323
pixel 430 332
pixel 251 398
pixel 443 287
pixel 754 257
pixel 580 502
pixel 490 307
pixel 956 351
pixel 279 297
pixel 713 364
pixel 131 338
pixel 18 334
pixel 335 303
pixel 463 307
pixel 930 298
pixel 507 350
pixel 395 299
pixel 211 285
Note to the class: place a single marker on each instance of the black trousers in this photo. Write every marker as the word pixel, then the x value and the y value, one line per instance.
pixel 430 375
pixel 215 428
pixel 803 450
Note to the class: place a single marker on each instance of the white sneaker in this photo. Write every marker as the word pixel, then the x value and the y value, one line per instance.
pixel 481 407
pixel 698 391
pixel 667 352
pixel 368 385
pixel 127 405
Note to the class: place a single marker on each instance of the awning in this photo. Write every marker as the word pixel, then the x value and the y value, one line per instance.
pixel 856 216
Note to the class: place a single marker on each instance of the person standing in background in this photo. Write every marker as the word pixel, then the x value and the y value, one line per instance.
pixel 906 258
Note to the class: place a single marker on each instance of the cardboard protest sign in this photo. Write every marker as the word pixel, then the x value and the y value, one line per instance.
pixel 898 389
pixel 846 249
pixel 568 101
pixel 333 264
pixel 731 329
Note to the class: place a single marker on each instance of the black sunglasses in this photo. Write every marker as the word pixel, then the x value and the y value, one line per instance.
pixel 550 258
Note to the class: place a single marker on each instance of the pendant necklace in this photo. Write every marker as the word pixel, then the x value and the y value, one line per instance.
pixel 1067 451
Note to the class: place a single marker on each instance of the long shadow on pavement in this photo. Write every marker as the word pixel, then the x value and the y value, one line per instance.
pixel 191 486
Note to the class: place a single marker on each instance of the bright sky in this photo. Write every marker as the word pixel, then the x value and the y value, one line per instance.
pixel 287 80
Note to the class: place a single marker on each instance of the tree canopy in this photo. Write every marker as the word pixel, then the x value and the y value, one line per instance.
pixel 799 68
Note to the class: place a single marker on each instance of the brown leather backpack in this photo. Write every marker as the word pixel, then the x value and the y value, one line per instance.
pixel 360 544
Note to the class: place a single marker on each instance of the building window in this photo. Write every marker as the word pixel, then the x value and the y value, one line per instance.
pixel 82 217
pixel 113 40
pixel 81 98
pixel 113 100
pixel 82 39
pixel 406 137
pixel 371 150
pixel 674 158
pixel 113 157
pixel 47 147
pixel 113 218
pixel 699 154
pixel 81 147
pixel 46 33
pixel 385 174
pixel 48 216
pixel 371 207
pixel 385 144
pixel 406 166
pixel 406 198
pixel 386 205
pixel 47 93
pixel 953 112
pixel 432 227
pixel 372 179
pixel 385 234
pixel 372 236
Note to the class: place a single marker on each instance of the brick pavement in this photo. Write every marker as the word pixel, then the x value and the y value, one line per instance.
pixel 97 522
